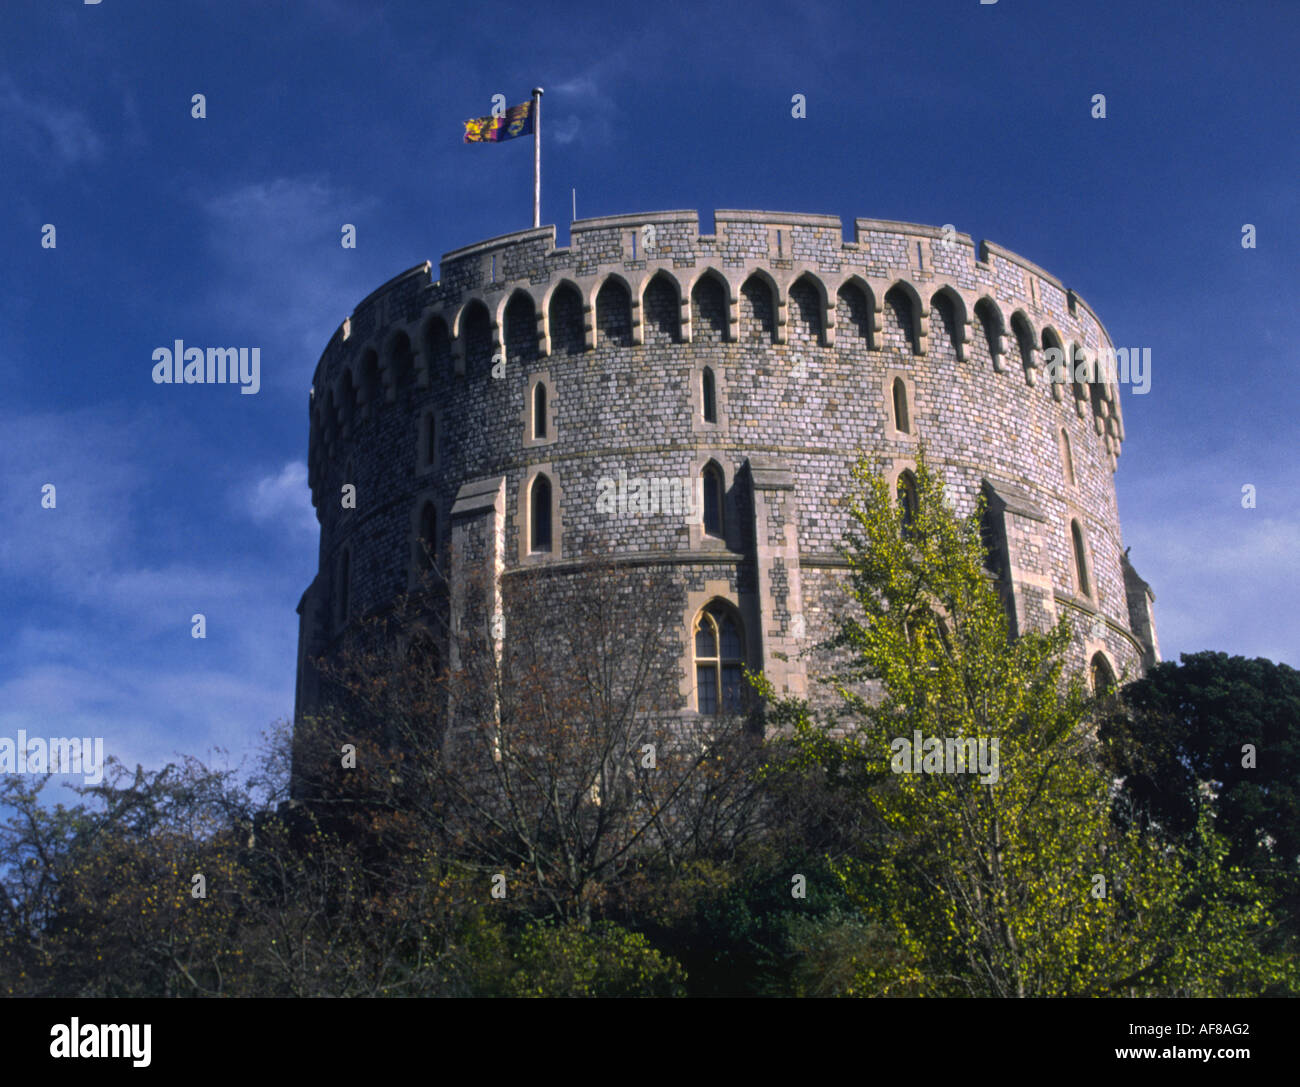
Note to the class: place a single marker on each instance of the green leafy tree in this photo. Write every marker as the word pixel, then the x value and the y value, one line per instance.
pixel 1012 881
pixel 603 960
pixel 1221 734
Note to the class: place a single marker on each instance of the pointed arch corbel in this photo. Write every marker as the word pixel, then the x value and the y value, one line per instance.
pixel 998 345
pixel 545 336
pixel 961 318
pixel 387 373
pixel 458 331
pixel 777 294
pixel 499 318
pixel 869 293
pixel 728 298
pixel 638 309
pixel 424 354
pixel 1027 342
pixel 1051 341
pixel 920 315
pixel 808 272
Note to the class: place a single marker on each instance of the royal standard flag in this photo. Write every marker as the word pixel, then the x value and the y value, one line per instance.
pixel 517 121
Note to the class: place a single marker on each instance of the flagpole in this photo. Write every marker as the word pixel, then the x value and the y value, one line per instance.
pixel 537 156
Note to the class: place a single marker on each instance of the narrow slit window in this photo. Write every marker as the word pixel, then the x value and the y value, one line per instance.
pixel 908 504
pixel 1080 560
pixel 428 536
pixel 713 497
pixel 902 417
pixel 539 410
pixel 1067 458
pixel 540 515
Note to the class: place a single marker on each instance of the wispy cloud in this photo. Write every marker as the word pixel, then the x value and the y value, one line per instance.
pixel 281 499
pixel 280 271
pixel 98 593
pixel 143 716
pixel 1223 574
pixel 87 460
pixel 44 127
pixel 580 86
pixel 585 109
pixel 567 129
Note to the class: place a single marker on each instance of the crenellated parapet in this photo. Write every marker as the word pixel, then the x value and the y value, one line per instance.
pixel 1021 309
pixel 492 407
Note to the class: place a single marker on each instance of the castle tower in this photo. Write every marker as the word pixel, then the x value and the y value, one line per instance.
pixel 491 412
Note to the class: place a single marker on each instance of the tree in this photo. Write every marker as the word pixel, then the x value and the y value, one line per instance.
pixel 99 898
pixel 553 759
pixel 553 756
pixel 1007 879
pixel 1220 734
pixel 605 960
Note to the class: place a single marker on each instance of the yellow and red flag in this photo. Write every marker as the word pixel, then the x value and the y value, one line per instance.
pixel 516 121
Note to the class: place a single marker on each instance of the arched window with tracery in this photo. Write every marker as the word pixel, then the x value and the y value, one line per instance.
pixel 719 659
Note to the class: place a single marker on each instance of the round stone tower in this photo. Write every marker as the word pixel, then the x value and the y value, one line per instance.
pixel 654 396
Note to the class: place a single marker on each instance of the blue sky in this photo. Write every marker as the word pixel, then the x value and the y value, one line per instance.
pixel 226 230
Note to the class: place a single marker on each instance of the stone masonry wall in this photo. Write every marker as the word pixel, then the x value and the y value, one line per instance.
pixel 804 334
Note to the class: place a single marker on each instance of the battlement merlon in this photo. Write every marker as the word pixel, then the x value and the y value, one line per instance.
pixel 613 241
